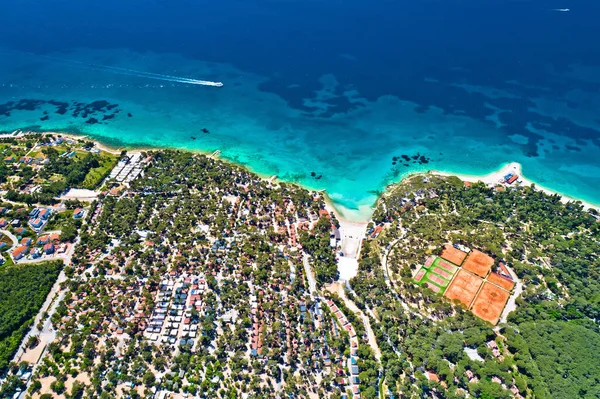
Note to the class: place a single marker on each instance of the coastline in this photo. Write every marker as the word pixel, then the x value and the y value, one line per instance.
pixel 213 154
pixel 101 146
pixel 493 178
pixel 343 214
pixel 360 216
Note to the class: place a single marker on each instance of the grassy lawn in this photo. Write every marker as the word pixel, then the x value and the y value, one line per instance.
pixel 96 175
pixel 52 179
pixel 59 220
pixel 8 260
pixel 37 154
pixel 63 148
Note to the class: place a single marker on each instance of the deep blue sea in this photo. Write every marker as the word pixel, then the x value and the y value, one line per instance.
pixel 342 95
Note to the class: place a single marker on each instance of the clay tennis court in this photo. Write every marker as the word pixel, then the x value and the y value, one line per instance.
pixel 478 263
pixel 429 261
pixel 445 265
pixel 437 279
pixel 442 273
pixel 420 275
pixel 502 281
pixel 434 287
pixel 490 302
pixel 464 287
pixel 453 255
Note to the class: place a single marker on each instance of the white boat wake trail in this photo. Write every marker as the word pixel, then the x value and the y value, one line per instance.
pixel 129 72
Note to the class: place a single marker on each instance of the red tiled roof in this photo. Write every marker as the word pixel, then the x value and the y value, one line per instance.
pixel 19 251
pixel 42 239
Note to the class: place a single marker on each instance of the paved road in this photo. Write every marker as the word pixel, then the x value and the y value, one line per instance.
pixel 512 304
pixel 66 257
pixel 47 333
pixel 11 236
pixel 50 305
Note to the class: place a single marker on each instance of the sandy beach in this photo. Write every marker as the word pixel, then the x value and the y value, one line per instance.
pixel 73 136
pixel 494 178
pixel 351 234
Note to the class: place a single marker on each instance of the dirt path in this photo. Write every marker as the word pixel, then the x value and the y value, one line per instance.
pixel 312 283
pixel 371 336
pixel 389 282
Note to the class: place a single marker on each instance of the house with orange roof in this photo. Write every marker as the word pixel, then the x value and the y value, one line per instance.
pixel 78 213
pixel 49 248
pixel 20 252
pixel 376 231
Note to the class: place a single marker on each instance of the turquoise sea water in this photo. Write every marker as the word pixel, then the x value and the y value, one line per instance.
pixel 352 152
pixel 335 121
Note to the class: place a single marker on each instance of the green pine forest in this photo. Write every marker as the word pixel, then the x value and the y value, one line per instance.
pixel 23 290
pixel 550 343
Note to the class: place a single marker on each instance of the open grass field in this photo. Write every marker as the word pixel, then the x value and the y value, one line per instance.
pixel 479 263
pixel 37 153
pixel 453 255
pixel 60 220
pixel 464 287
pixel 501 281
pixel 96 175
pixel 490 302
pixel 7 260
